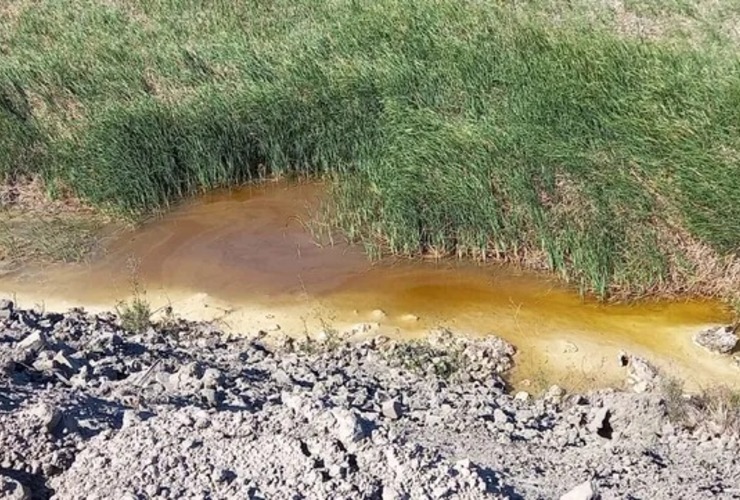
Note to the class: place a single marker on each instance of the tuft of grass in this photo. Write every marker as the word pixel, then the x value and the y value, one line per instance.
pixel 135 313
pixel 717 408
pixel 575 136
pixel 674 400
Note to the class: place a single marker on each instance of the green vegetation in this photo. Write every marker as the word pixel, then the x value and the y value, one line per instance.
pixel 602 142
pixel 136 313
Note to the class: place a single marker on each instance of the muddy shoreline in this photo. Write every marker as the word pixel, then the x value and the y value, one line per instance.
pixel 245 259
pixel 182 410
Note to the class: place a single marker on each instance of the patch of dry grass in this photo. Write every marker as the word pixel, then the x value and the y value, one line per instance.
pixel 716 409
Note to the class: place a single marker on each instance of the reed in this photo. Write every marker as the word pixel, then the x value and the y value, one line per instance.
pixel 576 136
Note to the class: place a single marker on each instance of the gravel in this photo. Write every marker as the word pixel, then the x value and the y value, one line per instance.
pixel 88 410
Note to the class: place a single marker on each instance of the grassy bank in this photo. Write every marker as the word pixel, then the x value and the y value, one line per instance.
pixel 599 140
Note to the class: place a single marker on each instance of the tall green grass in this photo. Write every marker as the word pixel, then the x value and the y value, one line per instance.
pixel 480 128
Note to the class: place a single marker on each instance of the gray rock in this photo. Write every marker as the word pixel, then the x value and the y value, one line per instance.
pixel 34 342
pixel 130 417
pixel 642 376
pixel 212 378
pixel 69 365
pixel 522 396
pixel 210 396
pixel 584 491
pixel 349 427
pixel 48 415
pixel 392 409
pixel 600 423
pixel 555 393
pixel 12 489
pixel 720 339
pixel 6 308
pixel 500 417
pixel 309 422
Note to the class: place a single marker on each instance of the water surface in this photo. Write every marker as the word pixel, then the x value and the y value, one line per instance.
pixel 246 258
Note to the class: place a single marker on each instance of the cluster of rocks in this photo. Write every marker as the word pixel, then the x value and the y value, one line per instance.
pixel 88 410
pixel 721 340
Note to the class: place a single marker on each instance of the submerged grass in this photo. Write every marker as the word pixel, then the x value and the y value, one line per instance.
pixel 577 136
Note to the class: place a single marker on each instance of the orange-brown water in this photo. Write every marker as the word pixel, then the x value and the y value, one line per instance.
pixel 245 257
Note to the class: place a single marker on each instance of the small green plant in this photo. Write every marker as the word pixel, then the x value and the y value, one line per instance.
pixel 423 359
pixel 136 313
pixel 674 401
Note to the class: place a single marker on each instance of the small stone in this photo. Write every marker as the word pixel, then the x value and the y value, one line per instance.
pixel 130 417
pixel 68 364
pixel 522 396
pixel 584 491
pixel 212 378
pixel 33 342
pixel 410 318
pixel 500 417
pixel 282 378
pixel 600 423
pixel 6 309
pixel 322 336
pixel 210 396
pixel 720 340
pixel 392 409
pixel 202 419
pixel 555 392
pixel 48 415
pixel 641 375
pixel 292 401
pixel 378 315
pixel 44 361
pixel 348 426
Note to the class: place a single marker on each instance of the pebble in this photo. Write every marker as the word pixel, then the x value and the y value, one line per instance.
pixel 392 409
pixel 522 396
pixel 35 341
pixel 47 414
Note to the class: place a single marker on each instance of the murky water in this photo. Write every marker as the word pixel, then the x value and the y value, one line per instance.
pixel 245 257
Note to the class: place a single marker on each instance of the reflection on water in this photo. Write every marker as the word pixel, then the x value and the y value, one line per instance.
pixel 250 246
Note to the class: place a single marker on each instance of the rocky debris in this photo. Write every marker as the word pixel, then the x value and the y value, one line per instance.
pixel 720 339
pixel 183 411
pixel 642 376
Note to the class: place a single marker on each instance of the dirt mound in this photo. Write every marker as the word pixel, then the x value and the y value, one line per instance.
pixel 88 410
